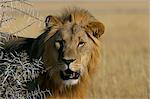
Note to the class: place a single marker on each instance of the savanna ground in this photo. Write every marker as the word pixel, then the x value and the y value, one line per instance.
pixel 125 69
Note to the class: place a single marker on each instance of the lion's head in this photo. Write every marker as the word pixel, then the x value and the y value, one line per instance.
pixel 71 46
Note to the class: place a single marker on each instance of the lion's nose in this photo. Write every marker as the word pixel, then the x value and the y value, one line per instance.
pixel 68 61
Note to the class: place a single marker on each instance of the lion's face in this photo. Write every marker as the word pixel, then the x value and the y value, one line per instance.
pixel 68 51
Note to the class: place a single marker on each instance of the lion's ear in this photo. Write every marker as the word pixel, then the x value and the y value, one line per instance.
pixel 96 28
pixel 52 21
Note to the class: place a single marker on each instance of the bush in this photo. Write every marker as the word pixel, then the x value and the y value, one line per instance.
pixel 17 73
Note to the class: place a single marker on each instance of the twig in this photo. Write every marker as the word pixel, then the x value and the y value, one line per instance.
pixel 1 21
pixel 8 19
pixel 24 1
pixel 21 1
pixel 24 12
pixel 6 1
pixel 23 28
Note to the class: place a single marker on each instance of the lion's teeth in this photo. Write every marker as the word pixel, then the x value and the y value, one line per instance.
pixel 74 74
pixel 71 76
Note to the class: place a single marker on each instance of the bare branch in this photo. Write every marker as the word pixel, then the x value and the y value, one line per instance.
pixel 24 1
pixel 2 17
pixel 23 28
pixel 15 68
pixel 24 13
pixel 21 1
pixel 8 19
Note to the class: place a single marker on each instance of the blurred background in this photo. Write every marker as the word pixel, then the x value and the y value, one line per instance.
pixel 125 69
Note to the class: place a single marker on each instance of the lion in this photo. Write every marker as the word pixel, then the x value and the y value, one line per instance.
pixel 70 49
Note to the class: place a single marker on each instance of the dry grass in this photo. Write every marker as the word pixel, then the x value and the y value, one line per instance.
pixel 125 72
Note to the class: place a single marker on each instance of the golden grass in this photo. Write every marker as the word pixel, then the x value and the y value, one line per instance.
pixel 125 71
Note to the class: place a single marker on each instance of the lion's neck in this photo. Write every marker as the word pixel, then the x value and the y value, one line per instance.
pixel 73 92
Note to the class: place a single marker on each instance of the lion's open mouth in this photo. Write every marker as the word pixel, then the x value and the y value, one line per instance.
pixel 68 74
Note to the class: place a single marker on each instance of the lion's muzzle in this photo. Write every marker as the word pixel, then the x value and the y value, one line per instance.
pixel 69 74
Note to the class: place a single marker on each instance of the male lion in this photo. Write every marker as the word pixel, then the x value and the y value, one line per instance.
pixel 70 50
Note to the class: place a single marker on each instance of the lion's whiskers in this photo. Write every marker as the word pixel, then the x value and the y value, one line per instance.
pixel 54 68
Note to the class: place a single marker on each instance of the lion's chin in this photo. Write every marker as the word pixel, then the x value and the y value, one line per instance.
pixel 71 82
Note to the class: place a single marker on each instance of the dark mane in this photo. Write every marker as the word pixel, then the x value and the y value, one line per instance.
pixel 33 46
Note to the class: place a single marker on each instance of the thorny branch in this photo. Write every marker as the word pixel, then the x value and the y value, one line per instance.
pixel 24 12
pixel 21 1
pixel 16 71
pixel 5 20
pixel 15 68
pixel 8 4
pixel 23 28
pixel 2 16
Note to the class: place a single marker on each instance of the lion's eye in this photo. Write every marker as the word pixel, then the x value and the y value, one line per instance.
pixel 59 44
pixel 81 44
